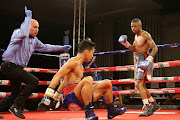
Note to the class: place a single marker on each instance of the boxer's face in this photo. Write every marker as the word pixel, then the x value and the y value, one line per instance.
pixel 135 27
pixel 89 55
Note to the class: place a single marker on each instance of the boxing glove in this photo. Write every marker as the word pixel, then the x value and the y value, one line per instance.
pixel 123 41
pixel 145 63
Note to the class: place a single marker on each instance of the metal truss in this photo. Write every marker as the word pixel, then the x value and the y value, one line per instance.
pixel 79 22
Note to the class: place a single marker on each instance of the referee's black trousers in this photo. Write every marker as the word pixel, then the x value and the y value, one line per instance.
pixel 17 76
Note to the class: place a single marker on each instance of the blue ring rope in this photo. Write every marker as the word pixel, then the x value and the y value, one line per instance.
pixel 174 45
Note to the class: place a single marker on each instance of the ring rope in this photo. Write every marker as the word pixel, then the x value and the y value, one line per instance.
pixel 131 67
pixel 109 52
pixel 101 69
pixel 7 82
pixel 122 92
pixel 41 70
pixel 152 91
pixel 37 54
pixel 174 45
pixel 114 82
pixel 155 80
pixel 32 96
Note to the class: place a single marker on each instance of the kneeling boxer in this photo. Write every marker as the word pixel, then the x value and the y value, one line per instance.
pixel 79 92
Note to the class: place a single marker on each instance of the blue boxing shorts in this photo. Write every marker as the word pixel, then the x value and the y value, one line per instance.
pixel 141 74
pixel 70 100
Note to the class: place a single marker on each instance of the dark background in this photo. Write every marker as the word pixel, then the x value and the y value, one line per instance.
pixel 106 20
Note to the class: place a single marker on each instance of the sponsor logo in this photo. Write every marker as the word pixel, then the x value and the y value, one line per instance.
pixel 74 107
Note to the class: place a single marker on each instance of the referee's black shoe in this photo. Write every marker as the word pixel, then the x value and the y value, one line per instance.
pixel 1 117
pixel 14 109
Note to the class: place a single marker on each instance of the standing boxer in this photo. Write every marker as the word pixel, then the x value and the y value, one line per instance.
pixel 144 63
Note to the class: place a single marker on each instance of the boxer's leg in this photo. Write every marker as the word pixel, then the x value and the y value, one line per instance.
pixel 83 92
pixel 105 88
pixel 155 106
pixel 140 76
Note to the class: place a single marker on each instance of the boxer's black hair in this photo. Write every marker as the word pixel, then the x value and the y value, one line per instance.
pixel 86 45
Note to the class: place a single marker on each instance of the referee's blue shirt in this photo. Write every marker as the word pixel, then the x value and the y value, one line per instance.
pixel 21 46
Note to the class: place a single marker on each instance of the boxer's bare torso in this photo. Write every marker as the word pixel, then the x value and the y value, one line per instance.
pixel 76 72
pixel 140 43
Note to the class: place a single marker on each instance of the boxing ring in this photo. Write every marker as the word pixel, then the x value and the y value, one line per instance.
pixel 64 114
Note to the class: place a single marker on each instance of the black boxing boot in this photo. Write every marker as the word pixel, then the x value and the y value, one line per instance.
pixel 147 111
pixel 155 106
pixel 89 112
pixel 113 112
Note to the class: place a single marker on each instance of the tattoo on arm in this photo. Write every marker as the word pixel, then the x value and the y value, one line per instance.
pixel 152 45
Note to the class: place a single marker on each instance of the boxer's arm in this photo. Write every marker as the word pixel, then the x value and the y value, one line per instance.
pixel 152 45
pixel 61 87
pixel 132 48
pixel 145 63
pixel 123 41
pixel 59 93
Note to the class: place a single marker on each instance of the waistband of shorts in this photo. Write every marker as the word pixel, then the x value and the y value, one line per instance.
pixel 70 85
pixel 69 88
pixel 142 53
